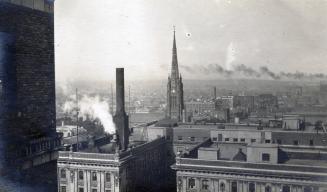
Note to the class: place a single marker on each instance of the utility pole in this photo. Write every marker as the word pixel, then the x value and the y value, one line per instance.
pixel 77 113
pixel 112 101
pixel 129 104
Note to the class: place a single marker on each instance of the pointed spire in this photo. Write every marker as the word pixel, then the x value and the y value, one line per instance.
pixel 174 65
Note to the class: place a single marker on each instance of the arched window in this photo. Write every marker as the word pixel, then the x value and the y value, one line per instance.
pixel 267 188
pixel 222 187
pixel 234 186
pixel 251 187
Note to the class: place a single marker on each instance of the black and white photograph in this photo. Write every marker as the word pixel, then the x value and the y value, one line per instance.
pixel 163 95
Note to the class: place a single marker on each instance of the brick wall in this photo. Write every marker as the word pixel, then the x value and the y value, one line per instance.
pixel 29 77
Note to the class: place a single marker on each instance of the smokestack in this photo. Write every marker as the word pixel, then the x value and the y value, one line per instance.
pixel 121 119
pixel 214 93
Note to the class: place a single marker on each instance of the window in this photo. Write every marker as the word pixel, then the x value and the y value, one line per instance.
pixel 235 140
pixel 214 139
pixel 307 189
pixel 268 189
pixel 191 183
pixel 107 177
pixel 253 140
pixel 226 139
pixel 108 190
pixel 180 138
pixel 192 138
pixel 220 137
pixel 279 141
pixel 265 157
pixel 243 140
pixel 267 141
pixel 168 137
pixel 222 187
pixel 80 175
pixel 80 189
pixel 63 173
pixel 311 141
pixel 94 176
pixel 295 142
pixel 205 184
pixel 63 189
pixel 286 188
pixel 234 186
pixel 251 187
pixel 94 190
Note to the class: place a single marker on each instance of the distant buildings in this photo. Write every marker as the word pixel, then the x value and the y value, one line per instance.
pixel 175 98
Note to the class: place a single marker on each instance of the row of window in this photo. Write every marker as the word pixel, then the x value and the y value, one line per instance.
pixel 81 189
pixel 237 140
pixel 220 138
pixel 180 138
pixel 234 187
pixel 63 175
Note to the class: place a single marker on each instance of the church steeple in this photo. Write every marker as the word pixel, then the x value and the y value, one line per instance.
pixel 174 63
pixel 175 99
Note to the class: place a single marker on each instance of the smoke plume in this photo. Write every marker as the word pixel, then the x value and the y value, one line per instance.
pixel 94 108
pixel 242 70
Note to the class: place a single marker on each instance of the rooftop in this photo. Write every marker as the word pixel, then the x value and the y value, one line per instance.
pixel 40 5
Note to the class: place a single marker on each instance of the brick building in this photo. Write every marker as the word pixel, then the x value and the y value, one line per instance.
pixel 28 132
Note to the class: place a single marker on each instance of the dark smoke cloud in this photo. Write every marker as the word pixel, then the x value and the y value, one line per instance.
pixel 266 72
pixel 263 72
pixel 247 71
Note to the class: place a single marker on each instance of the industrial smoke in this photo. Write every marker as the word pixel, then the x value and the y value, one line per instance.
pixel 94 108
pixel 241 70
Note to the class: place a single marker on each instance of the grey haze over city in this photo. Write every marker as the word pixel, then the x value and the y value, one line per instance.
pixel 272 39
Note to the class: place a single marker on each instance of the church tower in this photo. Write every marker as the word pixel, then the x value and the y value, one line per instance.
pixel 175 98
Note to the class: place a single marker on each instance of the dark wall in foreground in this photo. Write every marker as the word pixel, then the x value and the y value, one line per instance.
pixel 27 75
pixel 27 108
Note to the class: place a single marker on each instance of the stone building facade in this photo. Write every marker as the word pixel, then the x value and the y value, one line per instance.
pixel 142 168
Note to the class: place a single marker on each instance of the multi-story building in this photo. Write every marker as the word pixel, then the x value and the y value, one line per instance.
pixel 141 168
pixel 221 167
pixel 175 98
pixel 242 159
pixel 127 163
pixel 27 73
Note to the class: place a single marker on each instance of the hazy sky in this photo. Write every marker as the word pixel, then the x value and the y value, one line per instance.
pixel 93 37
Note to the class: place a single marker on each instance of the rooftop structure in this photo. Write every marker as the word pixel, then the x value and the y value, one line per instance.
pixel 126 163
pixel 233 167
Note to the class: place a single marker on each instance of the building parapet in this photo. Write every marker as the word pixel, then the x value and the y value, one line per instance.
pixel 68 155
pixel 262 167
pixel 40 5
pixel 112 157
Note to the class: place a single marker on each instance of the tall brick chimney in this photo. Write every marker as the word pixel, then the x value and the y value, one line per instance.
pixel 120 118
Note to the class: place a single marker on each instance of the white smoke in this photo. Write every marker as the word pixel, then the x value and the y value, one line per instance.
pixel 94 108
pixel 231 56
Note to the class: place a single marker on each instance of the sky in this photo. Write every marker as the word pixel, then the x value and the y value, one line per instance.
pixel 93 37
